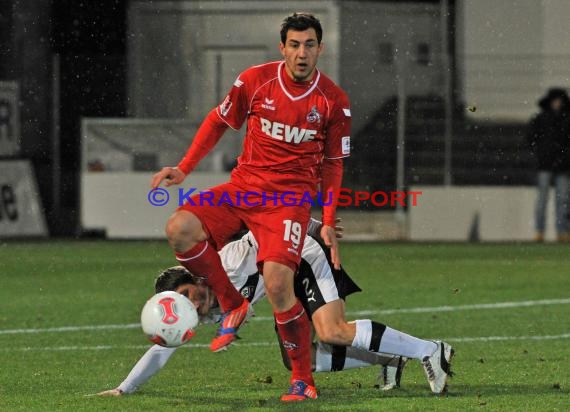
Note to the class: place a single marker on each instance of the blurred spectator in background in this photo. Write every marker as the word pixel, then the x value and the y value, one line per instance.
pixel 549 140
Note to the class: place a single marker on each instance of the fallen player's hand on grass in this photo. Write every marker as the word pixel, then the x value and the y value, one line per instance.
pixel 111 392
pixel 172 175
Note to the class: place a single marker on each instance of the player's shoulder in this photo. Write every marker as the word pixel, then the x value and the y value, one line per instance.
pixel 258 74
pixel 332 90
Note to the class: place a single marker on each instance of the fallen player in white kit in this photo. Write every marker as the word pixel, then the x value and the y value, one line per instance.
pixel 322 291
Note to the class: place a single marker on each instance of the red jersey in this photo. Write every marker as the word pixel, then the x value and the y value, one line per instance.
pixel 291 127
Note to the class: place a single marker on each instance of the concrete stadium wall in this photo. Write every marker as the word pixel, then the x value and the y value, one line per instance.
pixel 509 52
pixel 185 55
pixel 476 213
pixel 117 202
pixel 372 74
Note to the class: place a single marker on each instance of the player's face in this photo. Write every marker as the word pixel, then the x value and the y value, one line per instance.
pixel 556 104
pixel 301 52
pixel 200 295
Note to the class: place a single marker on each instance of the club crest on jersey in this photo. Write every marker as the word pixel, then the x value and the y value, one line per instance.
pixel 247 291
pixel 314 116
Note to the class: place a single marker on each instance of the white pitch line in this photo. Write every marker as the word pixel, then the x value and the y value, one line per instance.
pixel 499 305
pixel 263 344
pixel 479 306
pixel 504 338
pixel 70 328
pixel 119 347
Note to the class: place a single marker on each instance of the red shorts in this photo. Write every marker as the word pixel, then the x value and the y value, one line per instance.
pixel 278 225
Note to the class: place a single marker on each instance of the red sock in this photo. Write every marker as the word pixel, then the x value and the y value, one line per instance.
pixel 203 260
pixel 295 331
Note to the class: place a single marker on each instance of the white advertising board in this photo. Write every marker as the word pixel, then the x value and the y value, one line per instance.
pixel 21 212
pixel 9 119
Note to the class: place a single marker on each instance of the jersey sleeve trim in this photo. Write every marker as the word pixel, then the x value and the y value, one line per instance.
pixel 335 158
pixel 224 120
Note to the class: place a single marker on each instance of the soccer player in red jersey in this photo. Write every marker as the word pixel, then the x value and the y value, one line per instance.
pixel 298 132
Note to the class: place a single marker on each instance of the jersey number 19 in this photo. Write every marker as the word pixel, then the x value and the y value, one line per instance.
pixel 292 232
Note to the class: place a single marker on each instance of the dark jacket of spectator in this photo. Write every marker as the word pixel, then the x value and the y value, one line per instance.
pixel 549 132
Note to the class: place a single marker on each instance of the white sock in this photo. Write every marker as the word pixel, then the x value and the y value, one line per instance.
pixel 376 337
pixel 329 358
pixel 400 343
pixel 363 334
pixel 323 357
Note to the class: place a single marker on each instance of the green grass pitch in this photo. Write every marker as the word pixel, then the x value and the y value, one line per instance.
pixel 56 284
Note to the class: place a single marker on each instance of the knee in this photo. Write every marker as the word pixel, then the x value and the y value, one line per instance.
pixel 184 230
pixel 335 334
pixel 277 290
pixel 279 285
pixel 329 334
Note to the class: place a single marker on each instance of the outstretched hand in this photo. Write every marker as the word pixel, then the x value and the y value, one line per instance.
pixel 172 175
pixel 329 236
pixel 111 392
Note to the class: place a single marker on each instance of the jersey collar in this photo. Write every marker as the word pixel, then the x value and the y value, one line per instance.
pixel 289 95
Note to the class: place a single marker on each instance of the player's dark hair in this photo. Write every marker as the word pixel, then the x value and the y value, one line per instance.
pixel 171 278
pixel 301 22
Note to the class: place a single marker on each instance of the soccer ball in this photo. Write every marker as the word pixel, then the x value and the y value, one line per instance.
pixel 169 319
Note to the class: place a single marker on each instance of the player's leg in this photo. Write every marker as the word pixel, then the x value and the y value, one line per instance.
pixel 323 294
pixel 315 286
pixel 280 232
pixel 561 183
pixel 332 328
pixel 188 239
pixel 543 187
pixel 336 337
pixel 334 358
pixel 192 233
pixel 285 356
pixel 366 334
pixel 293 328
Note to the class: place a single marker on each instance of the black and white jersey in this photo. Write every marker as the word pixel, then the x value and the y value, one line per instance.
pixel 316 282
